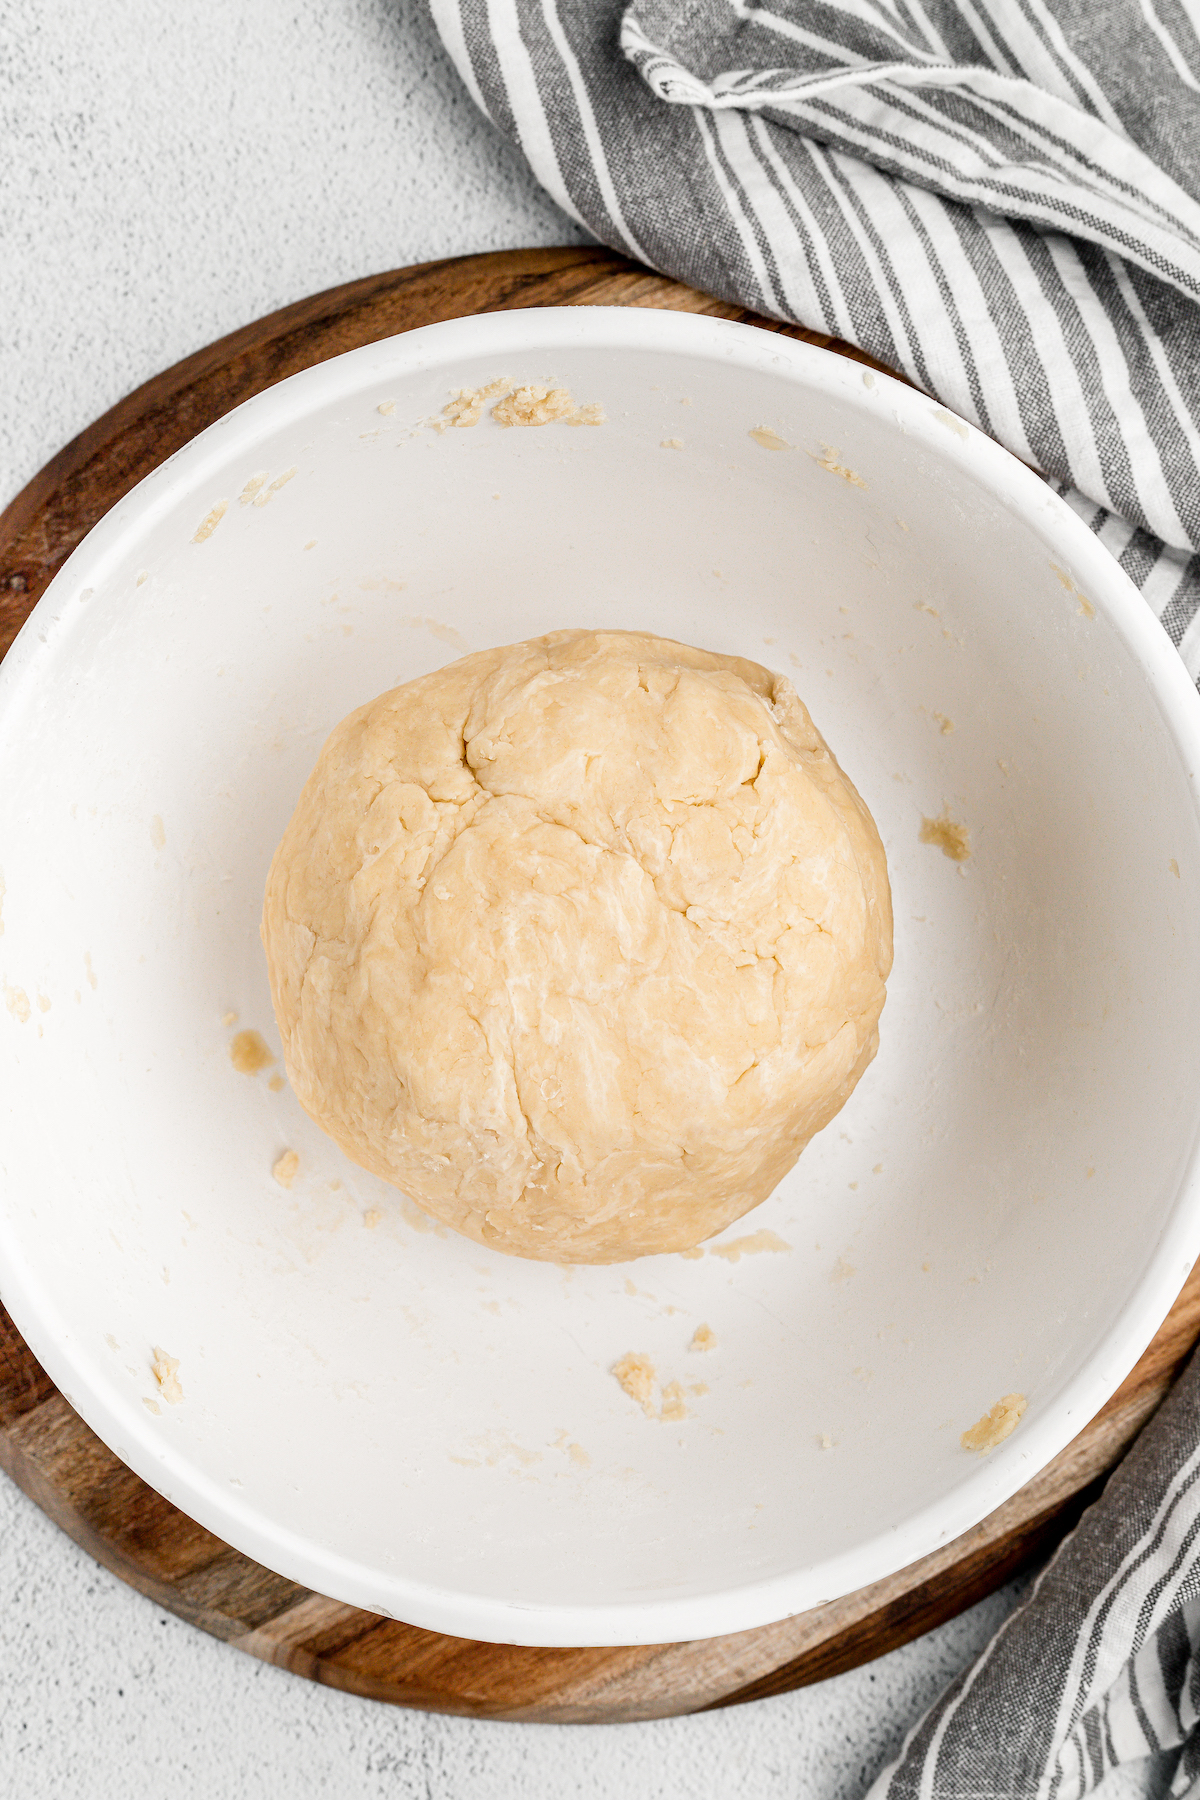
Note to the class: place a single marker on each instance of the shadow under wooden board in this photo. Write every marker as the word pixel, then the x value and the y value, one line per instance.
pixel 48 1450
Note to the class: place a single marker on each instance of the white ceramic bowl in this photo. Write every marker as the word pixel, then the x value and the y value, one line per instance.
pixel 393 1415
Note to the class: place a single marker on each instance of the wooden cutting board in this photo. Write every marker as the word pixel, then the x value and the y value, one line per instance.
pixel 50 1452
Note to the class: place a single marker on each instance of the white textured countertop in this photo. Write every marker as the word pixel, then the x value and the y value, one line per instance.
pixel 170 173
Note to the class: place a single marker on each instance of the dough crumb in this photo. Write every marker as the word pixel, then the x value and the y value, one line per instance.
pixel 952 840
pixel 277 1084
pixel 770 440
pixel 467 404
pixel 286 1168
pixel 671 444
pixel 269 493
pixel 1174 868
pixel 635 1372
pixel 1085 608
pixel 248 1053
pixel 526 405
pixel 17 1001
pixel 693 1254
pixel 151 1405
pixel 924 606
pixel 210 521
pixel 579 1455
pixel 842 1270
pixel 996 1425
pixel 959 427
pixel 533 406
pixel 830 463
pixel 946 724
pixel 753 1245
pixel 229 1018
pixel 93 983
pixel 158 836
pixel 386 407
pixel 445 634
pixel 371 1217
pixel 825 1442
pixel 252 486
pixel 164 1368
pixel 698 1387
pixel 703 1338
pixel 673 1406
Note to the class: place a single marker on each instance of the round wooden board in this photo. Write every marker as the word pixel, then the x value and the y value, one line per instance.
pixel 50 1452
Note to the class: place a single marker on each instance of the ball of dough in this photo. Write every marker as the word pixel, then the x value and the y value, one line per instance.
pixel 579 941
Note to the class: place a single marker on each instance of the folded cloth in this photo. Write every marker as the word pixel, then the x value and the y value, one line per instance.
pixel 1001 198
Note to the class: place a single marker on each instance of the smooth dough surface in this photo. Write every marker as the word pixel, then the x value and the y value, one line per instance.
pixel 578 942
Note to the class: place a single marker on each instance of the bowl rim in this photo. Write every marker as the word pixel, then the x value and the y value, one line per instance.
pixel 742 1606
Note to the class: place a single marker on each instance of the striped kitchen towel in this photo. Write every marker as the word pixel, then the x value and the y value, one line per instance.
pixel 1001 198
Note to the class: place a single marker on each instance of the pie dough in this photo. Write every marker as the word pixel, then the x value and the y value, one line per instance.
pixel 578 942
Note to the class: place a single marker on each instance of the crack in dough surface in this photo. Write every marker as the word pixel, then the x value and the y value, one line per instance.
pixel 577 942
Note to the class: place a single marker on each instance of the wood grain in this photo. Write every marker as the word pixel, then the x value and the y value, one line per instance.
pixel 48 1450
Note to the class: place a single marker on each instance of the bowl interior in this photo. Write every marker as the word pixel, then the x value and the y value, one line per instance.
pixel 395 1415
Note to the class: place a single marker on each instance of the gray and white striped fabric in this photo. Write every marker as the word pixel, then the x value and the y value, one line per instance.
pixel 1001 198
